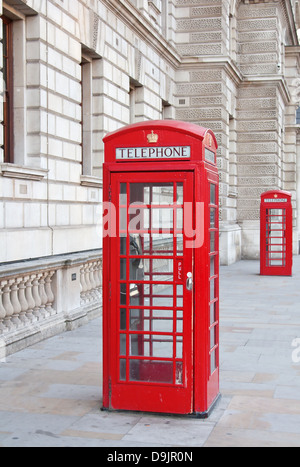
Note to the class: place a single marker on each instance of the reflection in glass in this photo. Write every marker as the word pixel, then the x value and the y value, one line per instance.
pixel 142 193
pixel 151 345
pixel 122 344
pixel 179 371
pixel 123 194
pixel 213 217
pixel 179 193
pixel 123 323
pixel 213 317
pixel 151 371
pixel 212 266
pixel 212 242
pixel 212 194
pixel 213 365
pixel 122 370
pixel 212 289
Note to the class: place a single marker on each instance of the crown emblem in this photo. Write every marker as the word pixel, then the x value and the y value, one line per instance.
pixel 152 138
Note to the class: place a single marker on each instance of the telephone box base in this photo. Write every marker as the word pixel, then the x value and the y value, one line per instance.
pixel 199 415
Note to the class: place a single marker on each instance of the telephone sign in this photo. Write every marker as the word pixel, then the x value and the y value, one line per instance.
pixel 161 269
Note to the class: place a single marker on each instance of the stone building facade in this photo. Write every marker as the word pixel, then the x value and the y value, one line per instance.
pixel 74 70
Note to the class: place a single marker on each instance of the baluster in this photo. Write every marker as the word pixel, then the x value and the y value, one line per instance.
pixel 2 312
pixel 36 296
pixel 43 295
pixel 23 301
pixel 30 299
pixel 88 282
pixel 92 281
pixel 9 311
pixel 97 279
pixel 49 293
pixel 15 302
pixel 82 285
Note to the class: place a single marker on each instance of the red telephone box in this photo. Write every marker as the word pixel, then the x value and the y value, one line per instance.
pixel 276 244
pixel 161 269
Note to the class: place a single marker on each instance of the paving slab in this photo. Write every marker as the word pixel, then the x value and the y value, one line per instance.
pixel 51 393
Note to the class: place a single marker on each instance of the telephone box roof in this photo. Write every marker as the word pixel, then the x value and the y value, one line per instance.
pixel 178 126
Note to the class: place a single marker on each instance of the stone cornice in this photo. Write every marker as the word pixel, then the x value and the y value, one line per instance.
pixel 267 80
pixel 214 61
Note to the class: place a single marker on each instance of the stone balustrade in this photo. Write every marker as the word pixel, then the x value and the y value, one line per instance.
pixel 90 282
pixel 25 299
pixel 41 298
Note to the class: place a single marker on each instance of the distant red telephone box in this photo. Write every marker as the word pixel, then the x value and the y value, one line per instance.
pixel 276 245
pixel 161 269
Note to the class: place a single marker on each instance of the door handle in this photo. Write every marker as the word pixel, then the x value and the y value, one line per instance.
pixel 189 281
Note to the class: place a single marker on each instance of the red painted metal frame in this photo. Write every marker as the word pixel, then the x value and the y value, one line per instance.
pixel 276 211
pixel 201 385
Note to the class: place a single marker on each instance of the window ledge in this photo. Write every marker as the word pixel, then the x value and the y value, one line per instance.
pixel 88 180
pixel 20 171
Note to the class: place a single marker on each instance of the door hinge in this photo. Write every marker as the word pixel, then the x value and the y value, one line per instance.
pixel 109 290
pixel 109 193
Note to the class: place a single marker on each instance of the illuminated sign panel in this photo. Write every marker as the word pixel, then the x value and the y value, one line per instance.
pixel 169 152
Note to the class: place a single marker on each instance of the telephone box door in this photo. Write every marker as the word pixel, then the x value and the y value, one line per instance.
pixel 151 295
pixel 276 234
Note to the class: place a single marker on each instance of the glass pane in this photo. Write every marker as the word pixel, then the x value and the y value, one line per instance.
pixel 162 218
pixel 151 295
pixel 162 295
pixel 179 347
pixel 213 194
pixel 151 371
pixel 151 345
pixel 136 269
pixel 212 313
pixel 123 245
pixel 179 295
pixel 212 337
pixel 179 222
pixel 123 194
pixel 212 265
pixel 213 364
pixel 142 193
pixel 123 220
pixel 123 294
pixel 139 320
pixel 179 371
pixel 212 242
pixel 122 370
pixel 151 320
pixel 160 269
pixel 180 245
pixel 163 194
pixel 139 218
pixel 161 321
pixel 157 244
pixel 212 289
pixel 123 324
pixel 213 217
pixel 179 193
pixel 122 344
pixel 123 271
pixel 179 322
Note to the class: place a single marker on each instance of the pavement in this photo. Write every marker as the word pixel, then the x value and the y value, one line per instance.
pixel 50 393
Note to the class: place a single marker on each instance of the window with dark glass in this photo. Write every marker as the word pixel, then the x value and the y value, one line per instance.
pixel 8 89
